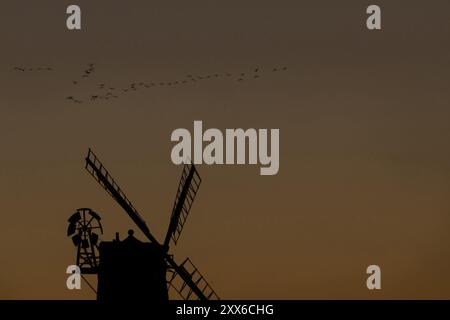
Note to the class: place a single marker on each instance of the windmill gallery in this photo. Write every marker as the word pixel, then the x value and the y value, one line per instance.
pixel 236 141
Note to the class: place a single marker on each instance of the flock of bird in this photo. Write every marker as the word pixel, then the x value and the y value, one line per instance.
pixel 107 92
pixel 24 69
pixel 86 73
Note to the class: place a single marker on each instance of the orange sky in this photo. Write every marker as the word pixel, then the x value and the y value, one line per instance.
pixel 363 118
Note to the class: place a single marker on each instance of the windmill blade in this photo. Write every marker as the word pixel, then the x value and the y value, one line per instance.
pixel 187 190
pixel 71 229
pixel 75 217
pixel 99 172
pixel 189 283
pixel 84 243
pixel 76 239
pixel 94 214
pixel 94 238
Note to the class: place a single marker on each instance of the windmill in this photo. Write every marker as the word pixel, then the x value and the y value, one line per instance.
pixel 83 225
pixel 152 267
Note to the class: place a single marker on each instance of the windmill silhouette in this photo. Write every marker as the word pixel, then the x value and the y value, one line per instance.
pixel 131 269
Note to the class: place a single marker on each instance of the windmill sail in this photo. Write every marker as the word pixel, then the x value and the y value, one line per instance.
pixel 99 172
pixel 190 284
pixel 193 284
pixel 187 190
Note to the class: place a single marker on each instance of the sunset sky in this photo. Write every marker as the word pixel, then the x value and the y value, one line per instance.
pixel 364 141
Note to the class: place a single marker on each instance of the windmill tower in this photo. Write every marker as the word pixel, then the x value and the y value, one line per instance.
pixel 131 269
